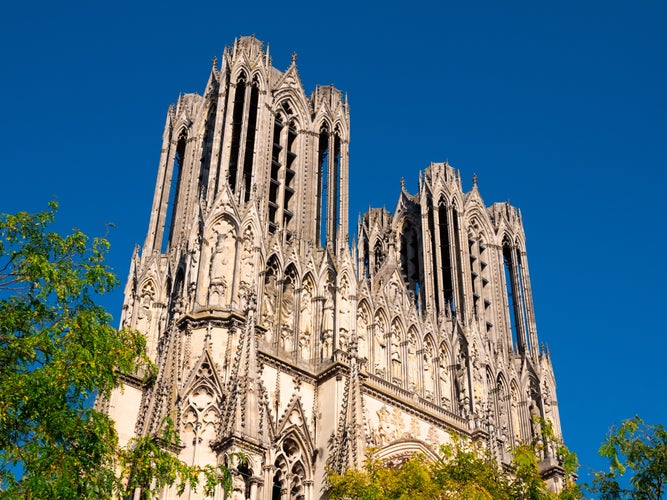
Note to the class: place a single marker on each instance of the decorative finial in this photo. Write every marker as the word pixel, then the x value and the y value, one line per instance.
pixel 474 179
pixel 214 62
pixel 293 57
pixel 403 183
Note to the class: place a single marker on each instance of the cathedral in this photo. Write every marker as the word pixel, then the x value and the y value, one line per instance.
pixel 276 334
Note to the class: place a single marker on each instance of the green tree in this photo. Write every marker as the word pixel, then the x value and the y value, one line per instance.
pixel 58 351
pixel 637 454
pixel 463 470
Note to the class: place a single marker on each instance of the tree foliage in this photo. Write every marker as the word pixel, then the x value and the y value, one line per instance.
pixel 637 454
pixel 463 470
pixel 58 351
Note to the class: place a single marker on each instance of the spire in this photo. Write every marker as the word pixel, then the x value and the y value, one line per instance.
pixel 349 439
pixel 242 409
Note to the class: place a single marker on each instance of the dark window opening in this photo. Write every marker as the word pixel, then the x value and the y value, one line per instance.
pixel 336 180
pixel 291 154
pixel 445 256
pixel 522 295
pixel 431 229
pixel 322 185
pixel 237 128
pixel 174 187
pixel 459 264
pixel 511 297
pixel 274 181
pixel 250 142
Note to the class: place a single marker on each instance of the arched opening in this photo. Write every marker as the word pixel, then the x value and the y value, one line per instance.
pixel 322 184
pixel 174 187
pixel 237 129
pixel 291 472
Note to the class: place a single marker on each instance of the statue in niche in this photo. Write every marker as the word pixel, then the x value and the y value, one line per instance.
pixel 269 305
pixel 515 414
pixel 462 386
pixel 344 311
pixel 128 310
pixel 193 272
pixel 362 333
pixel 222 265
pixel 306 322
pixel 502 412
pixel 327 323
pixel 287 318
pixel 380 349
pixel 395 295
pixel 429 376
pixel 396 366
pixel 412 363
pixel 306 315
pixel 145 315
pixel 546 398
pixel 247 274
pixel 477 384
pixel 443 375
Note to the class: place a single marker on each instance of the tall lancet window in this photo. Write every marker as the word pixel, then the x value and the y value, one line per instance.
pixel 276 166
pixel 522 296
pixel 237 129
pixel 250 139
pixel 410 260
pixel 179 159
pixel 457 272
pixel 446 258
pixel 284 152
pixel 290 173
pixel 435 293
pixel 515 301
pixel 322 184
pixel 335 179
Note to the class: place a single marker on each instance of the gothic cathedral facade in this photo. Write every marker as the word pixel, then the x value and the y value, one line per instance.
pixel 275 336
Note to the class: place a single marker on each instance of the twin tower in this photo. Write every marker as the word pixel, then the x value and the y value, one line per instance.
pixel 274 336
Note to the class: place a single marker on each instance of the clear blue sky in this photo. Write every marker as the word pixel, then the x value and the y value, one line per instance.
pixel 559 106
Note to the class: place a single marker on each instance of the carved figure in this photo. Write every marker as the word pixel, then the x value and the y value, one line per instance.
pixel 222 265
pixel 362 334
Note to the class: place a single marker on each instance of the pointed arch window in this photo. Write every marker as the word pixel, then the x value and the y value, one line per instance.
pixel 446 258
pixel 250 139
pixel 174 187
pixel 515 296
pixel 434 254
pixel 480 279
pixel 276 166
pixel 237 129
pixel 284 153
pixel 322 184
pixel 291 472
pixel 410 261
pixel 244 131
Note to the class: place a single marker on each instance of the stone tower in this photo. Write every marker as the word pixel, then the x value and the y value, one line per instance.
pixel 273 337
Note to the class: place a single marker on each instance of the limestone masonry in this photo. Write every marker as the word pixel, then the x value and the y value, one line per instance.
pixel 272 335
